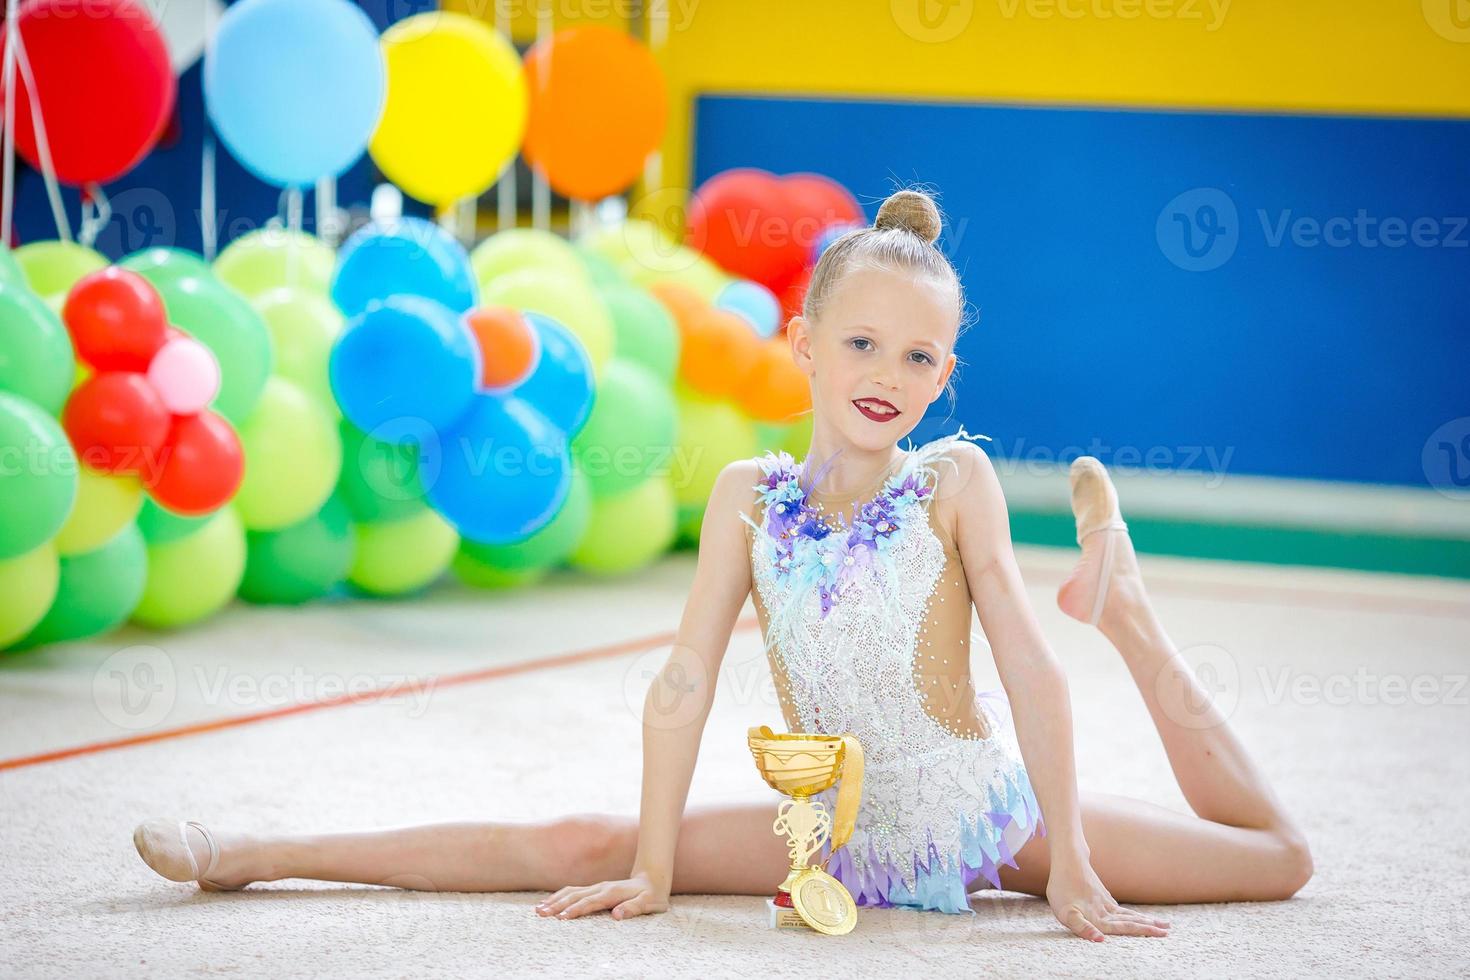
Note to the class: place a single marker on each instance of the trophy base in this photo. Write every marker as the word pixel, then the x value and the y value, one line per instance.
pixel 785 917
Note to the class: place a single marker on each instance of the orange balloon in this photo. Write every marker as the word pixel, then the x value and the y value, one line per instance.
pixel 719 354
pixel 776 390
pixel 508 345
pixel 598 108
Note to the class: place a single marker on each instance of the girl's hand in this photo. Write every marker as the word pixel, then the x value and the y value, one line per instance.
pixel 1081 903
pixel 632 896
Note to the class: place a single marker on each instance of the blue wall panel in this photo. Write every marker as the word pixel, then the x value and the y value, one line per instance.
pixel 1098 320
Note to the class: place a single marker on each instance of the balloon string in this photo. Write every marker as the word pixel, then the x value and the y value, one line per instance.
pixel 507 191
pixel 540 189
pixel 96 213
pixel 43 146
pixel 7 195
pixel 294 207
pixel 208 218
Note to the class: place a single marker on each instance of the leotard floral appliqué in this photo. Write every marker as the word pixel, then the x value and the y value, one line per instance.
pixel 844 603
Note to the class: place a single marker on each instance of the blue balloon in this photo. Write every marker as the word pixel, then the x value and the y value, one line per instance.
pixel 404 358
pixel 295 88
pixel 504 472
pixel 408 256
pixel 560 386
pixel 754 303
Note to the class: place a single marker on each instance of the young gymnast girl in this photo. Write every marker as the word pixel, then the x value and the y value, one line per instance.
pixel 864 562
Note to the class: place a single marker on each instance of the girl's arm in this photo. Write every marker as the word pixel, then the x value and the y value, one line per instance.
pixel 679 701
pixel 1034 681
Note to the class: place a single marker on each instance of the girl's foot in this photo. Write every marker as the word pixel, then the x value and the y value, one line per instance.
pixel 1105 582
pixel 178 850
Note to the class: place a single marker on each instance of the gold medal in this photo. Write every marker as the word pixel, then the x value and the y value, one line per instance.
pixel 823 902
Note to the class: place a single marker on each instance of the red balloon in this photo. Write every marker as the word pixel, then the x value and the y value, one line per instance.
pixel 819 201
pixel 742 220
pixel 105 84
pixel 116 319
pixel 203 465
pixel 793 298
pixel 117 423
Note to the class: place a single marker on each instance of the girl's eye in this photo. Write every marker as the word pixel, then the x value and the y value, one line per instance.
pixel 923 358
pixel 861 340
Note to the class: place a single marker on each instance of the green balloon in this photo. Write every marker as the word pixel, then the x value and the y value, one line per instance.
pixel 27 588
pixel 221 319
pixel 160 526
pixel 398 557
pixel 691 522
pixel 52 268
pixel 524 248
pixel 36 359
pixel 601 271
pixel 570 300
pixel 301 562
pixel 629 530
pixel 38 476
pixel 712 433
pixel 645 329
pixel 160 265
pixel 272 257
pixel 380 480
pixel 630 432
pixel 97 591
pixel 551 544
pixel 293 456
pixel 478 575
pixel 303 326
pixel 194 577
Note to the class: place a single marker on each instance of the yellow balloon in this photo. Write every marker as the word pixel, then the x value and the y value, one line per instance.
pixel 105 505
pixel 28 585
pixel 456 108
pixel 397 557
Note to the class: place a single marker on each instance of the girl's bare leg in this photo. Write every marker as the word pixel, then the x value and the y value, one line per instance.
pixel 1241 844
pixel 728 850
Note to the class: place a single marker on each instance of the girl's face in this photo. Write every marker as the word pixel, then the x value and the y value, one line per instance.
pixel 879 355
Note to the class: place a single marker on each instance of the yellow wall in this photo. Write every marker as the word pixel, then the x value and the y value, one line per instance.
pixel 1378 56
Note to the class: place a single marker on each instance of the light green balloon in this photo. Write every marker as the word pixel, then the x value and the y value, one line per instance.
pixel 637 240
pixel 106 503
pixel 52 268
pixel 303 326
pixel 712 433
pixel 524 248
pixel 166 264
pixel 398 557
pixel 570 300
pixel 195 577
pixel 630 432
pixel 36 357
pixel 221 319
pixel 97 591
pixel 9 268
pixel 38 476
pixel 630 530
pixel 293 456
pixel 645 329
pixel 27 588
pixel 478 575
pixel 273 257
pixel 551 544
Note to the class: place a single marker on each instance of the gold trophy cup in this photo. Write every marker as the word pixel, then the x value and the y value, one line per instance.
pixel 801 766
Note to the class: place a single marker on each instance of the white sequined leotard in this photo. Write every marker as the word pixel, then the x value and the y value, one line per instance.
pixel 852 612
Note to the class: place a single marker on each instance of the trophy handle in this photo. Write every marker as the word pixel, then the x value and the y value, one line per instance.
pixel 849 794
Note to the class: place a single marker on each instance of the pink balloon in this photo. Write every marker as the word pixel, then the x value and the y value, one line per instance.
pixel 185 375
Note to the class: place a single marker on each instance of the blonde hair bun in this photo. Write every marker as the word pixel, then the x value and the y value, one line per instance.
pixel 913 211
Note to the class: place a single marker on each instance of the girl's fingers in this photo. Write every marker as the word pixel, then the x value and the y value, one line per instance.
pixel 1119 926
pixel 1078 923
pixel 561 899
pixel 582 906
pixel 1117 909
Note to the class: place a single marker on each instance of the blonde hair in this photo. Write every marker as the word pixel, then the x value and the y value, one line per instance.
pixel 901 239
